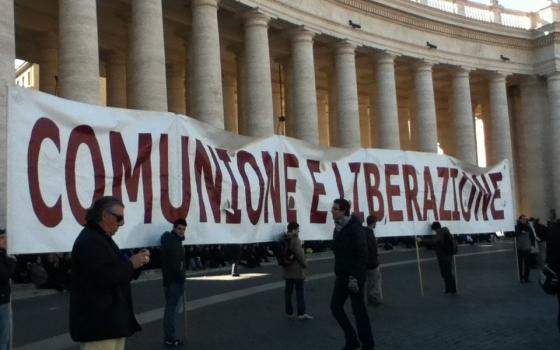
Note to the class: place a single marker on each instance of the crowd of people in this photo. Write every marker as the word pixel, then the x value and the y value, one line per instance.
pixel 98 273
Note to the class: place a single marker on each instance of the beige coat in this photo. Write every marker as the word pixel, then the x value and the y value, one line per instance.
pixel 297 269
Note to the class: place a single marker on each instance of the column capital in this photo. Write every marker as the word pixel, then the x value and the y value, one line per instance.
pixel 530 80
pixel 386 57
pixel 462 71
pixel 255 18
pixel 212 3
pixel 498 76
pixel 553 76
pixel 345 47
pixel 424 65
pixel 301 34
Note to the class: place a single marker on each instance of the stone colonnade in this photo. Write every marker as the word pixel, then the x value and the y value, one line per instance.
pixel 333 114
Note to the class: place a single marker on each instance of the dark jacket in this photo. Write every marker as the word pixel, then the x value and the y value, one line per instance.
pixel 100 300
pixel 553 248
pixel 172 259
pixel 350 250
pixel 440 242
pixel 373 261
pixel 7 268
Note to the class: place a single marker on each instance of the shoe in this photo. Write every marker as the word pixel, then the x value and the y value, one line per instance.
pixel 290 316
pixel 175 343
pixel 304 317
pixel 234 275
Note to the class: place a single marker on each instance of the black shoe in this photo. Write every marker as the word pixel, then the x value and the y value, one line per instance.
pixel 175 343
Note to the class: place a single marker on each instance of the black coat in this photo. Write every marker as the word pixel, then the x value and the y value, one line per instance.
pixel 100 300
pixel 350 250
pixel 373 261
pixel 172 259
pixel 553 248
pixel 7 268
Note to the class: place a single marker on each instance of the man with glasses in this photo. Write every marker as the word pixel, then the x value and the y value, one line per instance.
pixel 101 314
pixel 350 264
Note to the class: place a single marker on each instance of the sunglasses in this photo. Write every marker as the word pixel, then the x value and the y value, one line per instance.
pixel 117 216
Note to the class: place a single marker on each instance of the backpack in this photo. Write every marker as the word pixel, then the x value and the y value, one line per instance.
pixel 282 251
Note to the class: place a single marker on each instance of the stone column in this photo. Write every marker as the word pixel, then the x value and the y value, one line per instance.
pixel 501 132
pixel 79 51
pixel 532 175
pixel 116 79
pixel 259 112
pixel 499 120
pixel 553 83
pixel 187 81
pixel 426 132
pixel 207 98
pixel 176 100
pixel 230 111
pixel 463 118
pixel 347 112
pixel 387 112
pixel 241 92
pixel 48 64
pixel 147 88
pixel 323 107
pixel 304 96
pixel 7 77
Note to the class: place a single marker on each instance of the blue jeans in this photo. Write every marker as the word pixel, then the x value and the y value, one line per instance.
pixel 173 309
pixel 5 326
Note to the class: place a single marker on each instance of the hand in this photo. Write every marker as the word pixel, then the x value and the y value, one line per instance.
pixel 140 259
pixel 353 286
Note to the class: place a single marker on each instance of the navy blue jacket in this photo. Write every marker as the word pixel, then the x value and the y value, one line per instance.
pixel 350 250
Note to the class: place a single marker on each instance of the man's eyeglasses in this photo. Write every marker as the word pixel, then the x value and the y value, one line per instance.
pixel 335 208
pixel 117 216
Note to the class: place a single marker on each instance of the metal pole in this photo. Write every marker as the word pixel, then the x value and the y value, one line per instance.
pixel 419 269
pixel 455 271
pixel 184 316
pixel 515 257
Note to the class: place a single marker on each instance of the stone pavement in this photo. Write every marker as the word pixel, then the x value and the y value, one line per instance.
pixel 492 310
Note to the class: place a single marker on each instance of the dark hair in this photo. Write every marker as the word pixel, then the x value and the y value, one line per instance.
pixel 436 225
pixel 95 213
pixel 178 222
pixel 371 220
pixel 292 226
pixel 2 231
pixel 343 204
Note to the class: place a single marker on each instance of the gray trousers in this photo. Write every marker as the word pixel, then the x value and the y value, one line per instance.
pixel 374 295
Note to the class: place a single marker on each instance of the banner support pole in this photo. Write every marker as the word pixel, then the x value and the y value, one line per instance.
pixel 515 258
pixel 419 269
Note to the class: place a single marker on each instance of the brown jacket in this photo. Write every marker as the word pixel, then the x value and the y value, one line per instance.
pixel 296 270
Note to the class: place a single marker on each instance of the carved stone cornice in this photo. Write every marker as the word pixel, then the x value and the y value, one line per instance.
pixel 456 32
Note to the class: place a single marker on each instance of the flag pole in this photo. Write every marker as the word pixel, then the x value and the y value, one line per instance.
pixel 419 269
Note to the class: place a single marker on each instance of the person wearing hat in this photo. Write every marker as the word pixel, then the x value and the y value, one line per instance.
pixel 7 267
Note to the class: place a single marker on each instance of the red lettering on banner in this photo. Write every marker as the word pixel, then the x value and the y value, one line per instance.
pixel 466 212
pixel 444 214
pixel 496 178
pixel 338 180
pixel 355 168
pixel 43 129
pixel 316 216
pixel 453 173
pixel 429 196
pixel 411 192
pixel 202 167
pixel 392 191
pixel 122 166
pixel 171 213
pixel 85 135
pixel 290 161
pixel 233 217
pixel 481 197
pixel 372 190
pixel 244 158
pixel 272 171
pixel 486 198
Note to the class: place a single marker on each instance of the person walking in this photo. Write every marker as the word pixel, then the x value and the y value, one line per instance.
pixel 350 261
pixel 7 268
pixel 173 265
pixel 374 295
pixel 101 314
pixel 523 237
pixel 294 274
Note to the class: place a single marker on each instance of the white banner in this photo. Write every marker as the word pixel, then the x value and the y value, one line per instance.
pixel 231 189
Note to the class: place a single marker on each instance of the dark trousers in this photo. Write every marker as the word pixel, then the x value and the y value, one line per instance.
pixel 524 262
pixel 339 296
pixel 173 310
pixel 288 291
pixel 445 268
pixel 558 295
